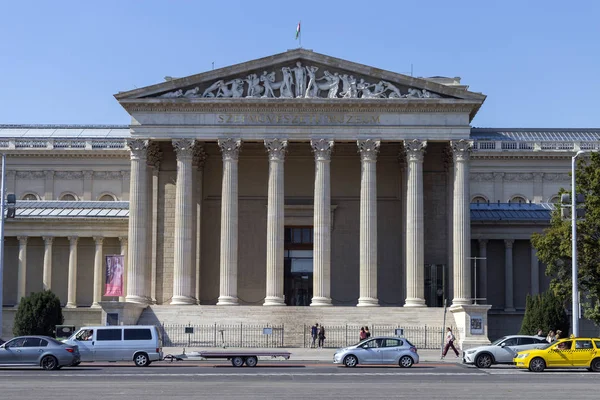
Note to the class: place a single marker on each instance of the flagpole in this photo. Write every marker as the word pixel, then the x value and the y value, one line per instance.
pixel 300 33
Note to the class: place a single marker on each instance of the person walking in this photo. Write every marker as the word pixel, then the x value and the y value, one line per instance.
pixel 363 334
pixel 314 330
pixel 321 335
pixel 551 337
pixel 367 332
pixel 558 335
pixel 450 338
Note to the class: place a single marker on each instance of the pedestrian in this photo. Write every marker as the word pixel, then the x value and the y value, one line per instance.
pixel 313 333
pixel 540 333
pixel 551 337
pixel 321 335
pixel 367 332
pixel 363 333
pixel 450 338
pixel 558 334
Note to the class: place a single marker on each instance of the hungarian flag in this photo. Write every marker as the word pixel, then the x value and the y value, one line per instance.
pixel 298 30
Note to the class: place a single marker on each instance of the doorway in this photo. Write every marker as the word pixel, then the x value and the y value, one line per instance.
pixel 298 265
pixel 436 284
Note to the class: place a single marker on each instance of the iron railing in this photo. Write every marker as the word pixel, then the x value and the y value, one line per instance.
pixel 217 335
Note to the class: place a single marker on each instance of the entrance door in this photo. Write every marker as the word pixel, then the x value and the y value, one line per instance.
pixel 298 266
pixel 436 284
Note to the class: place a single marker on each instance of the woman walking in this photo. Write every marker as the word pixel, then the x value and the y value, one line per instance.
pixel 450 338
pixel 321 335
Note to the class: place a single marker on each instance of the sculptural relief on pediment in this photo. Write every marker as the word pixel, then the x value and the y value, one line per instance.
pixel 301 81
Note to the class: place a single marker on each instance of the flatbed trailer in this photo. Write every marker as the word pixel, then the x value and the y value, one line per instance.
pixel 239 358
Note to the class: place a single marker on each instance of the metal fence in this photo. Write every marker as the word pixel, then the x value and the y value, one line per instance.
pixel 422 337
pixel 217 335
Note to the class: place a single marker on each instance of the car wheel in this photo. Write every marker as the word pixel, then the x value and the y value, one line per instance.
pixel 237 361
pixel 406 361
pixel 537 364
pixel 141 360
pixel 251 361
pixel 351 361
pixel 49 363
pixel 595 365
pixel 484 361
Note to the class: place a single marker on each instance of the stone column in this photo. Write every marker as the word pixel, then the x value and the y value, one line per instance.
pixel 72 280
pixel 198 161
pixel 535 272
pixel 49 185
pixel 88 179
pixel 182 254
pixel 368 222
pixel 47 274
pixel 275 222
pixel 482 272
pixel 461 220
pixel 154 160
pixel 230 149
pixel 322 223
pixel 22 266
pixel 415 256
pixel 449 273
pixel 97 271
pixel 508 275
pixel 136 269
pixel 125 253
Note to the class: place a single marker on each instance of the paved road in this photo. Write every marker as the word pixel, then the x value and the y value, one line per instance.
pixel 292 380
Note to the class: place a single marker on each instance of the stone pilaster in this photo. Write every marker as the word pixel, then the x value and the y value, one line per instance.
pixel 72 279
pixel 230 149
pixel 482 272
pixel 125 253
pixel 182 254
pixel 88 183
pixel 538 187
pixel 461 221
pixel 198 161
pixel 136 271
pixel 125 185
pixel 275 222
pixel 368 222
pixel 415 256
pixel 47 274
pixel 322 223
pixel 49 185
pixel 22 269
pixel 98 240
pixel 509 304
pixel 498 187
pixel 535 272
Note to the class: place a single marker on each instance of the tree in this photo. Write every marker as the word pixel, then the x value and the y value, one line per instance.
pixel 38 314
pixel 544 311
pixel 554 245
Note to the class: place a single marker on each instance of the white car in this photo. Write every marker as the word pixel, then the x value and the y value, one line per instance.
pixel 502 351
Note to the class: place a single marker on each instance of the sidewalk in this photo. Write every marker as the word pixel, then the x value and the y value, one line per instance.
pixel 302 354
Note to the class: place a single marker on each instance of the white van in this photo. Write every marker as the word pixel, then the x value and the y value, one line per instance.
pixel 137 343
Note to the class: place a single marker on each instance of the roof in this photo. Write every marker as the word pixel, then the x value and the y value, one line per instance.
pixel 33 209
pixel 511 212
pixel 65 131
pixel 539 134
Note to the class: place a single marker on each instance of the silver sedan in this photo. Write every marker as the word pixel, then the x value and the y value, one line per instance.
pixel 42 351
pixel 378 350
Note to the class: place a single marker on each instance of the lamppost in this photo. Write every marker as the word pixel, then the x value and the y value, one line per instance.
pixel 575 288
pixel 2 207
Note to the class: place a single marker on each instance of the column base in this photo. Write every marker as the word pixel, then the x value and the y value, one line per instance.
pixel 274 301
pixel 71 305
pixel 320 302
pixel 414 302
pixel 182 300
pixel 461 302
pixel 227 301
pixel 367 302
pixel 96 305
pixel 130 298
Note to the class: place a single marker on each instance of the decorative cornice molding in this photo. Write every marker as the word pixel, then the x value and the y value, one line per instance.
pixel 230 148
pixel 415 150
pixel 368 149
pixel 322 149
pixel 276 149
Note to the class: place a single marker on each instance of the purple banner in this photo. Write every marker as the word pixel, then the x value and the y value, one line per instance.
pixel 115 268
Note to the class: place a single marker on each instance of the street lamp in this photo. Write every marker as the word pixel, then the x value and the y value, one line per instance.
pixel 2 206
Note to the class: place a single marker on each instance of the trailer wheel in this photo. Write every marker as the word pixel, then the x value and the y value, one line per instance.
pixel 251 361
pixel 237 361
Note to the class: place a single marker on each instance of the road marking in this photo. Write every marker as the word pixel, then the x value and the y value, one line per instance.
pixel 283 374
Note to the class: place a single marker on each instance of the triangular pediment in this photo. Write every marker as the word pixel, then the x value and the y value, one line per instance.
pixel 298 74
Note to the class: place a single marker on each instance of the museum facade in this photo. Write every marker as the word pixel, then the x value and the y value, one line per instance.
pixel 287 181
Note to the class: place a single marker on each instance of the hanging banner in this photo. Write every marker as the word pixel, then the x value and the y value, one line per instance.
pixel 115 268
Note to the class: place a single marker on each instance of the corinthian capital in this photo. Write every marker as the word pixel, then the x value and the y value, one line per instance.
pixel 322 148
pixel 154 155
pixel 461 150
pixel 368 149
pixel 415 149
pixel 276 149
pixel 138 148
pixel 184 148
pixel 230 148
pixel 199 156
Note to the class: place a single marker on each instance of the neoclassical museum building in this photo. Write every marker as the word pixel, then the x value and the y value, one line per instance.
pixel 287 189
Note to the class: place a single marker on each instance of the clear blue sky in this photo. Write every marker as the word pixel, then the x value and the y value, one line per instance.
pixel 537 61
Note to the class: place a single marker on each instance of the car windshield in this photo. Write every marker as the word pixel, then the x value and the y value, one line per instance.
pixel 498 341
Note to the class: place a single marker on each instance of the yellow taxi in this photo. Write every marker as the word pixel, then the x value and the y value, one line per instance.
pixel 564 353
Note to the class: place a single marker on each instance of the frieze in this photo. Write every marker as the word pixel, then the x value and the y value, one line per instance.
pixel 30 175
pixel 557 177
pixel 299 81
pixel 68 175
pixel 481 176
pixel 298 119
pixel 107 175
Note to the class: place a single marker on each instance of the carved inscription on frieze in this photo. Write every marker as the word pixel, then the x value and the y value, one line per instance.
pixel 299 119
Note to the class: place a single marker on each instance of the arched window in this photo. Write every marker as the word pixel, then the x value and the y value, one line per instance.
pixel 68 197
pixel 107 197
pixel 554 199
pixel 30 196
pixel 479 200
pixel 518 200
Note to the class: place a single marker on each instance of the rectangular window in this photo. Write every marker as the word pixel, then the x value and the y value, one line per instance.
pixel 138 334
pixel 108 334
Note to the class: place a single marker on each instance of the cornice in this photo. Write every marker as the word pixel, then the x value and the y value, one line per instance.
pixel 520 156
pixel 116 153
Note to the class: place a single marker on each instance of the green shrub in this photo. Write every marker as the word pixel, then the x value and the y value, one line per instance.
pixel 544 311
pixel 38 314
